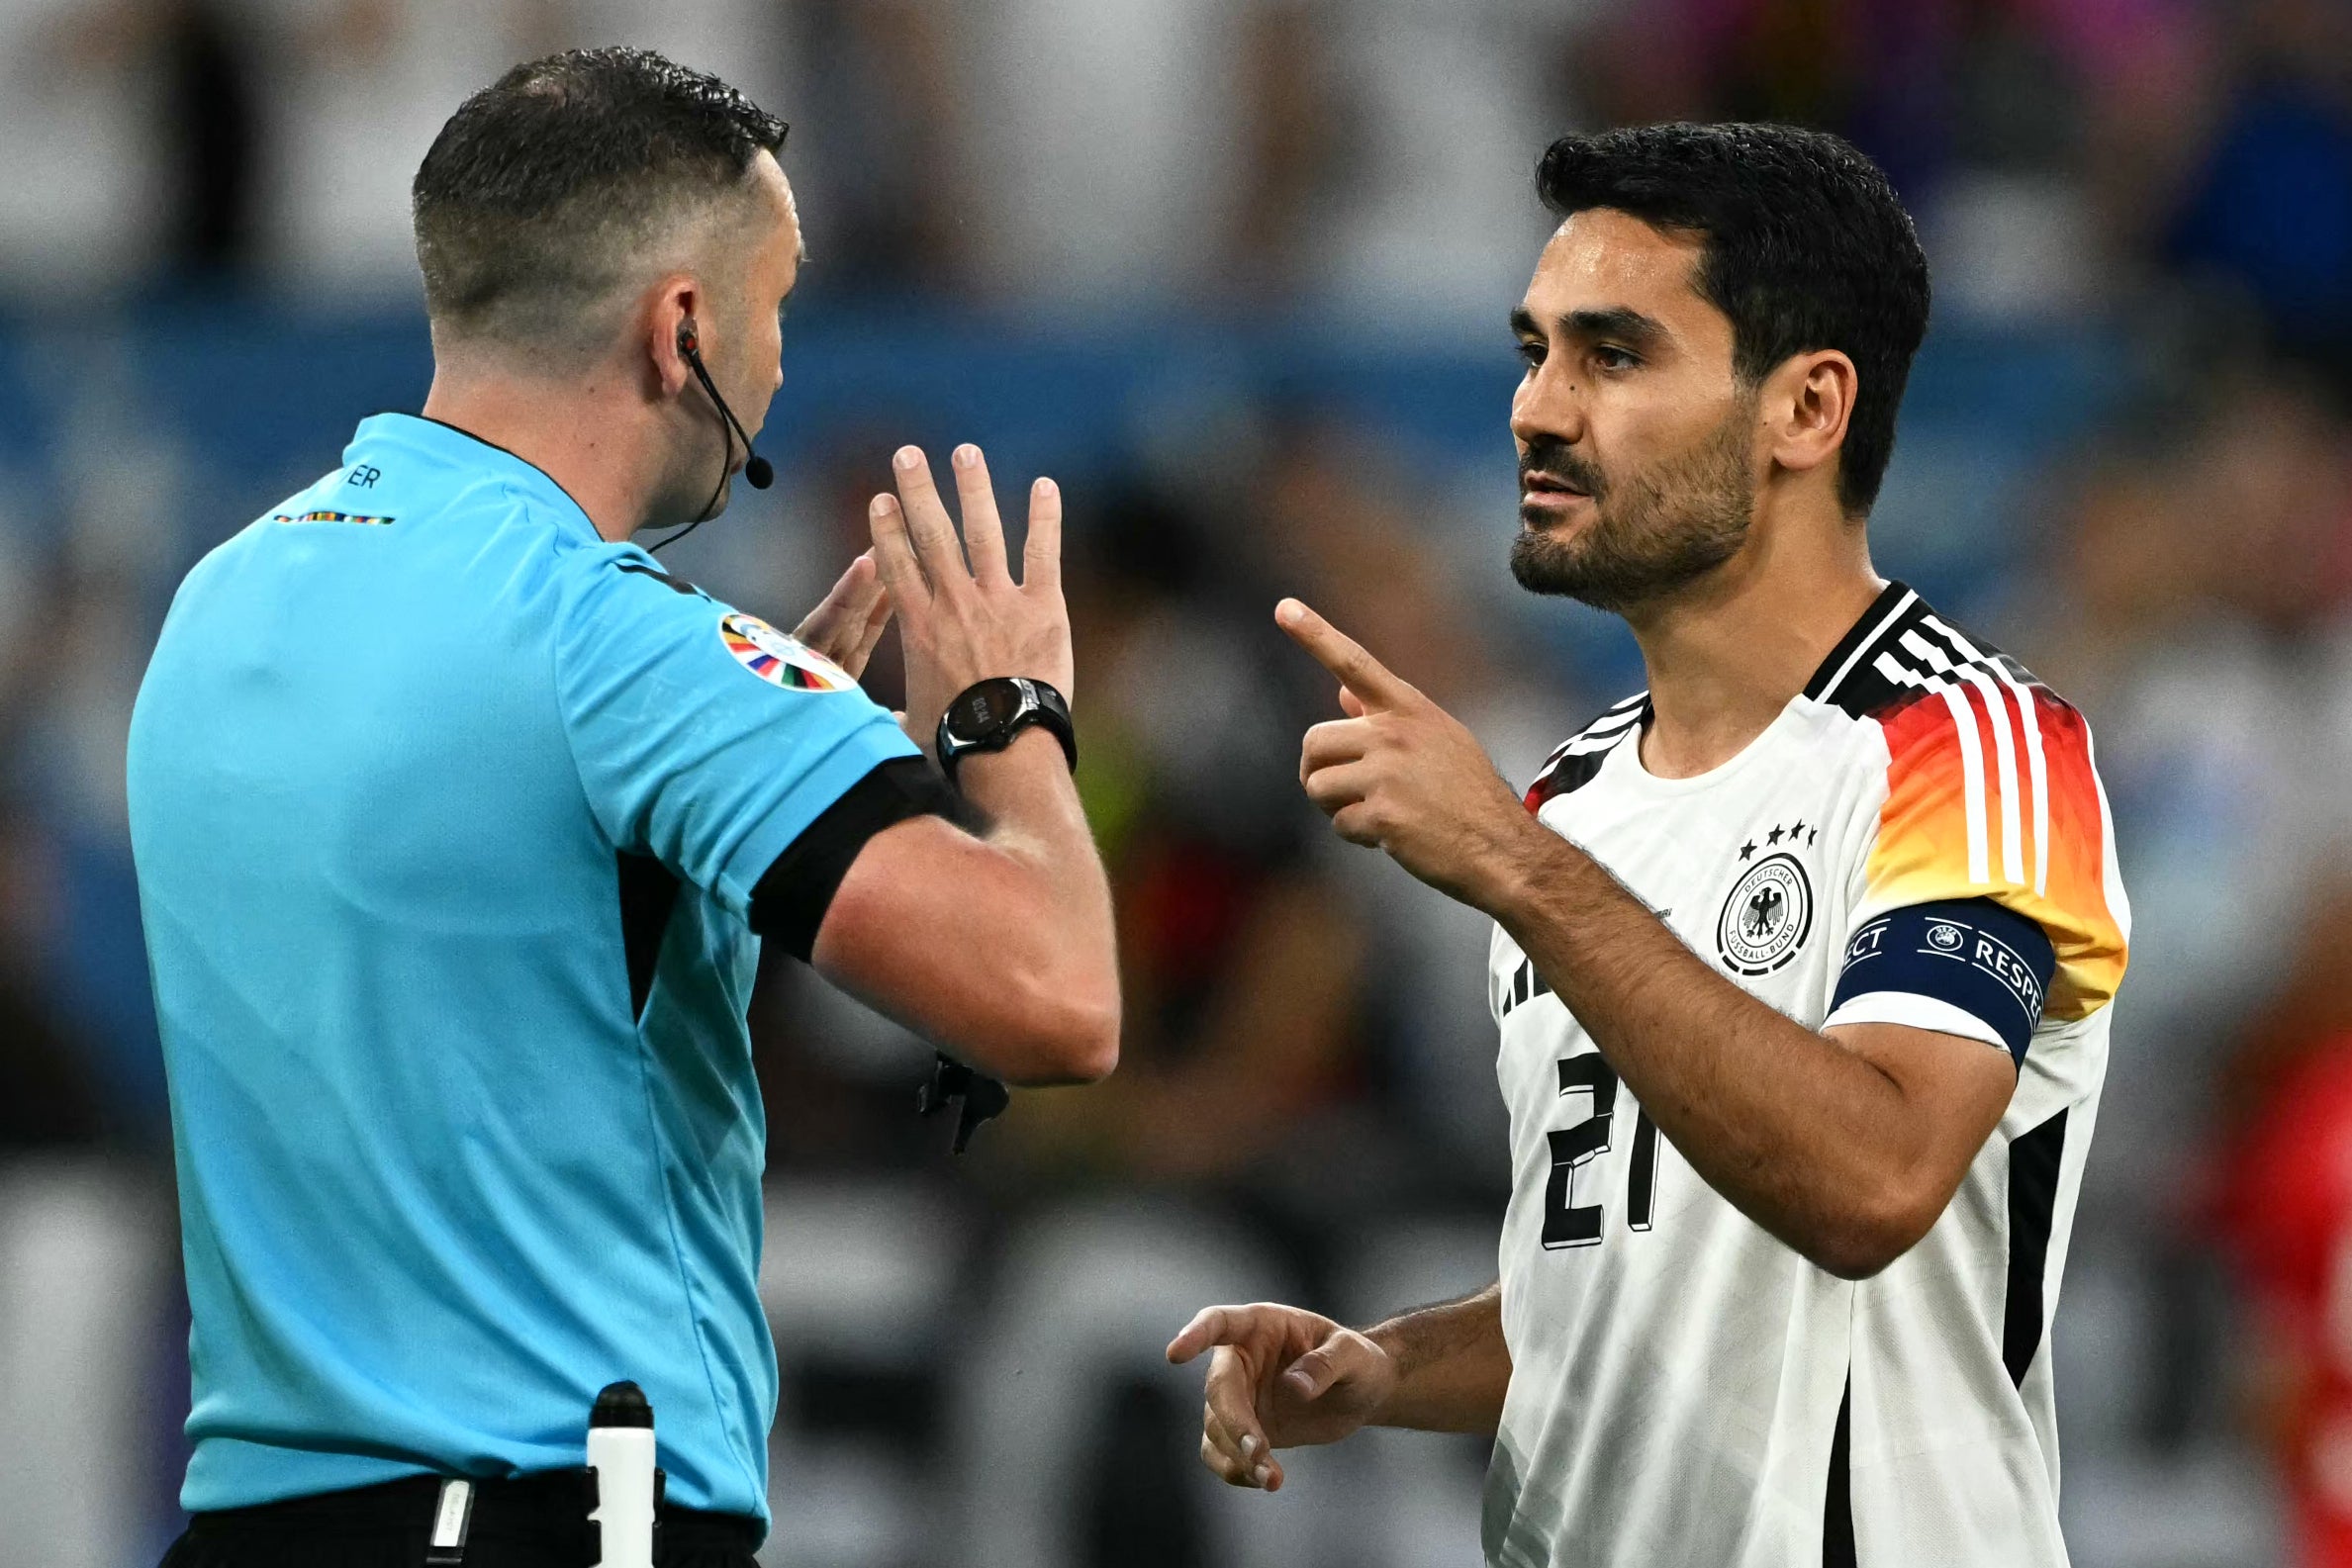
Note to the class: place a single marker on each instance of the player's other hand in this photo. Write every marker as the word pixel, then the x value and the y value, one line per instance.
pixel 1280 1377
pixel 850 622
pixel 962 618
pixel 1402 775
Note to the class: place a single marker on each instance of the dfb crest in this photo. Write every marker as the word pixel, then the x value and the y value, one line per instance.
pixel 1766 917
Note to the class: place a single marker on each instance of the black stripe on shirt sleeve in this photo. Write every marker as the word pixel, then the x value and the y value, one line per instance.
pixel 793 895
pixel 2034 1162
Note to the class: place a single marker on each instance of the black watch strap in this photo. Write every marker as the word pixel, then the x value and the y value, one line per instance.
pixel 987 715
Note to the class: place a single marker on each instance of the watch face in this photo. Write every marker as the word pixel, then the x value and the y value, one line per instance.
pixel 983 710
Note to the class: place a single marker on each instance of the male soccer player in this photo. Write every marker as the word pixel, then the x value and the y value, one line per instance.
pixel 458 823
pixel 1802 959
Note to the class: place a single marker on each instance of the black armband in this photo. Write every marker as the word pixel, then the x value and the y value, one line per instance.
pixel 793 894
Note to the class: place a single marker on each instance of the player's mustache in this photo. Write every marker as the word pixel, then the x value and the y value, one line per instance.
pixel 1556 459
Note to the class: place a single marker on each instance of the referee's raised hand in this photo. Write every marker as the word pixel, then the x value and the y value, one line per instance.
pixel 962 619
pixel 997 943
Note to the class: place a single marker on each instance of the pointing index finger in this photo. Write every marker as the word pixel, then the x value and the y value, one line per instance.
pixel 1371 682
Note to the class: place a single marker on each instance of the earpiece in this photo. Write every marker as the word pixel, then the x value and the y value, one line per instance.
pixel 756 469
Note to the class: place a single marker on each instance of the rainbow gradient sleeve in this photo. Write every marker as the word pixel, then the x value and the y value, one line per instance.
pixel 1991 793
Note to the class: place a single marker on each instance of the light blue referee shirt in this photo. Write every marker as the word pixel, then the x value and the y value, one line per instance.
pixel 447 817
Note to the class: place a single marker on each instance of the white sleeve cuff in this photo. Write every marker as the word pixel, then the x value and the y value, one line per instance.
pixel 1914 1011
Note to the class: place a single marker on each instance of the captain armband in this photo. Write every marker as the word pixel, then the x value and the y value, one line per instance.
pixel 1963 967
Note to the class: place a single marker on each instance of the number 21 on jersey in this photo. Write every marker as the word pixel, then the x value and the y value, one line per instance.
pixel 1567 1223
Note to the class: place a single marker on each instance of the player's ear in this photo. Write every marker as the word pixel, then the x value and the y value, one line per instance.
pixel 1804 407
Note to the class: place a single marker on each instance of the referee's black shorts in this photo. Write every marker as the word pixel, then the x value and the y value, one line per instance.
pixel 525 1522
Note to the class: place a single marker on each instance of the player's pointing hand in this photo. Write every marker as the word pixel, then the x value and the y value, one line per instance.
pixel 1402 775
pixel 1362 675
pixel 1279 1378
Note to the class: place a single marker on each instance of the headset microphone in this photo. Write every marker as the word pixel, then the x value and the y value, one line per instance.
pixel 756 469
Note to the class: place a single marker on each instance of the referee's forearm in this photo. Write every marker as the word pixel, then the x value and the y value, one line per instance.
pixel 996 946
pixel 1035 819
pixel 1033 812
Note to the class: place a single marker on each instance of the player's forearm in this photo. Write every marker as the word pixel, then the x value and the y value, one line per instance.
pixel 1055 929
pixel 1808 1138
pixel 1452 1366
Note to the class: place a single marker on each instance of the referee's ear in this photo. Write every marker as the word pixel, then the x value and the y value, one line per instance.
pixel 671 325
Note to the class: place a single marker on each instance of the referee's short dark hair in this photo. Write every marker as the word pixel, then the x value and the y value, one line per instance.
pixel 546 186
pixel 1805 247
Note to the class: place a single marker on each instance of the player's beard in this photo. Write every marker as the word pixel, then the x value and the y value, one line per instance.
pixel 1652 531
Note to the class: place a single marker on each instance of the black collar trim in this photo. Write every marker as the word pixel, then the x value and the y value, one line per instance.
pixel 1876 622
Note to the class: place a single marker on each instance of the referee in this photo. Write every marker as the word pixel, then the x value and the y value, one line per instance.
pixel 458 823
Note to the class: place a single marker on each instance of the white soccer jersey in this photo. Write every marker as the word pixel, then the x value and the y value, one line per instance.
pixel 1686 1390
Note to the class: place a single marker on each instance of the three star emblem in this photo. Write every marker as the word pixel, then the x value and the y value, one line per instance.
pixel 1795 832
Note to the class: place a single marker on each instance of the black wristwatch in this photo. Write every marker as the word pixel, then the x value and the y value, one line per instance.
pixel 986 717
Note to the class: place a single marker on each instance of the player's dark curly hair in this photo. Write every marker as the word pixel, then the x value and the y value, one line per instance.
pixel 1806 246
pixel 544 185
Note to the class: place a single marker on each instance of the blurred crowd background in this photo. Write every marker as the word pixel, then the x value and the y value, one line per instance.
pixel 1235 271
